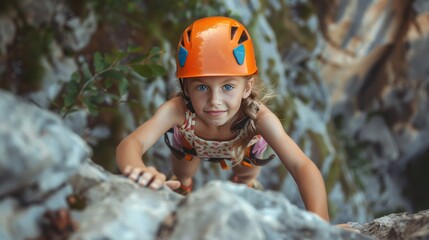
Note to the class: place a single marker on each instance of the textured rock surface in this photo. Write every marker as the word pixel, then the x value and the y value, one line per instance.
pixel 38 154
pixel 119 208
pixel 220 210
pixel 397 226
pixel 44 164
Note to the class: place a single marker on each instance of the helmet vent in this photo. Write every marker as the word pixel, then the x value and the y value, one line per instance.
pixel 182 42
pixel 189 34
pixel 243 37
pixel 233 30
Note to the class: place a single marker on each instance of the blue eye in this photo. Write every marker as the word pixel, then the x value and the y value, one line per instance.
pixel 201 87
pixel 228 87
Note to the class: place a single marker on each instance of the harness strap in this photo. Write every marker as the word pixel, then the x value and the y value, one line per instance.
pixel 179 154
pixel 251 159
pixel 187 99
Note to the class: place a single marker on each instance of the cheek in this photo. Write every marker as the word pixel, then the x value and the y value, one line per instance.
pixel 194 95
pixel 197 100
pixel 234 101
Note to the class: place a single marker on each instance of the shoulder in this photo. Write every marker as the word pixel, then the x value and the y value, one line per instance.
pixel 173 110
pixel 266 119
pixel 176 102
pixel 264 113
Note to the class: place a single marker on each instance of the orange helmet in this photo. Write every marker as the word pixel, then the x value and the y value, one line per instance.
pixel 215 46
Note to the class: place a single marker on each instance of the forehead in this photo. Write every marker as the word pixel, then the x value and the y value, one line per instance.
pixel 215 79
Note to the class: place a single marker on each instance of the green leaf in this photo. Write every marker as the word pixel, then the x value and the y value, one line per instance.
pixel 98 62
pixel 134 49
pixel 99 98
pixel 107 83
pixel 109 58
pixel 158 70
pixel 88 87
pixel 69 101
pixel 122 68
pixel 64 111
pixel 113 74
pixel 92 108
pixel 72 90
pixel 123 87
pixel 87 75
pixel 92 91
pixel 119 54
pixel 75 77
pixel 155 51
pixel 138 59
pixel 143 70
pixel 155 54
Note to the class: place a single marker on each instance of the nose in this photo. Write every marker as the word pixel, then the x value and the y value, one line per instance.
pixel 215 97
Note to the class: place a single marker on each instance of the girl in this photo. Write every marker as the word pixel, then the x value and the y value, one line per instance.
pixel 218 117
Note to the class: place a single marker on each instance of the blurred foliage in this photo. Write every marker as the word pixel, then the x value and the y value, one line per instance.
pixel 109 80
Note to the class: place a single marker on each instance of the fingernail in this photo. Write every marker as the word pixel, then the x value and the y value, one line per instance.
pixel 143 181
pixel 156 185
pixel 134 175
pixel 127 170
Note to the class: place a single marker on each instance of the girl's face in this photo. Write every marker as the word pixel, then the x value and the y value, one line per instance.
pixel 216 100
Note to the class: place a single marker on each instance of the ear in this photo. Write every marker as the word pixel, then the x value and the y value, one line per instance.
pixel 248 86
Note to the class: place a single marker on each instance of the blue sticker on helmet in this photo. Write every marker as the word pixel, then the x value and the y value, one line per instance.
pixel 182 55
pixel 239 53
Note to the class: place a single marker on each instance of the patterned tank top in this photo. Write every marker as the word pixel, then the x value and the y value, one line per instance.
pixel 208 148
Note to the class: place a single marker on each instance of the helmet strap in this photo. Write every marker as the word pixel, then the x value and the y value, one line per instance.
pixel 185 97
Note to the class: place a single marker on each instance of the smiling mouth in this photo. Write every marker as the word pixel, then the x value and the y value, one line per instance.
pixel 215 113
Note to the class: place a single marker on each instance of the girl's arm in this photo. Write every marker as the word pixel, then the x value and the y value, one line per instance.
pixel 131 149
pixel 305 173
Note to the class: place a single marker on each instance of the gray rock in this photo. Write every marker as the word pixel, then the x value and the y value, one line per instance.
pixel 44 152
pixel 224 210
pixel 38 154
pixel 118 208
pixel 397 226
pixel 17 222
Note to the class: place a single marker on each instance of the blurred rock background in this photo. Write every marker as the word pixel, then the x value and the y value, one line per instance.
pixel 351 78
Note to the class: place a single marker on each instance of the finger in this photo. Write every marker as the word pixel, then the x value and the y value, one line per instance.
pixel 127 170
pixel 152 170
pixel 145 178
pixel 157 180
pixel 342 225
pixel 135 174
pixel 156 184
pixel 347 227
pixel 173 184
